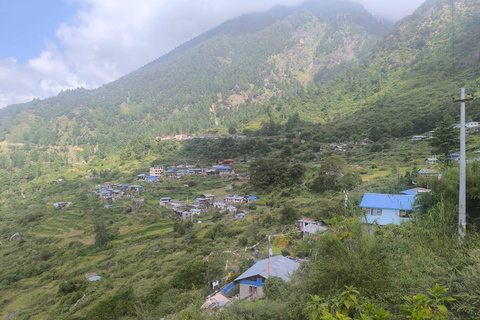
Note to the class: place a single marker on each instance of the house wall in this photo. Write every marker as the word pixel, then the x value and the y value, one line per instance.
pixel 245 292
pixel 388 216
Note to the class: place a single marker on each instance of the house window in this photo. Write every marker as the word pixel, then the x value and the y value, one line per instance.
pixel 375 212
pixel 403 213
pixel 252 290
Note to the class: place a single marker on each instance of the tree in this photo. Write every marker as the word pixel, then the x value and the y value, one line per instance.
pixel 120 304
pixel 232 130
pixel 374 135
pixel 331 172
pixel 101 234
pixel 288 214
pixel 275 288
pixel 267 173
pixel 446 139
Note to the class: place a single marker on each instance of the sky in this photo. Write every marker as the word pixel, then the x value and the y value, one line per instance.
pixel 53 45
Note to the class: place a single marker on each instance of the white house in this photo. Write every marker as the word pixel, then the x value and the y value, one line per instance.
pixel 165 200
pixel 386 208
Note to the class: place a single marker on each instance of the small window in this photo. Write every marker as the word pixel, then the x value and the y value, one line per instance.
pixel 403 213
pixel 375 212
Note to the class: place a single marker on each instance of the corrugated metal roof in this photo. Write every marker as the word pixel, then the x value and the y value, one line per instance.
pixel 415 191
pixel 387 201
pixel 281 267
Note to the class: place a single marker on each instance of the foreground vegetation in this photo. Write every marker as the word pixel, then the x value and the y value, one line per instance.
pixel 154 265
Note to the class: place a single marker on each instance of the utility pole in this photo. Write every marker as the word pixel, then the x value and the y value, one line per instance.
pixel 462 216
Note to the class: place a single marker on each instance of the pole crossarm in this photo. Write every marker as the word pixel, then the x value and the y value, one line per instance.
pixel 463 100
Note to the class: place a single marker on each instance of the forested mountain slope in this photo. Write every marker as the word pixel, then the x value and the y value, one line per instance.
pixel 221 78
pixel 407 84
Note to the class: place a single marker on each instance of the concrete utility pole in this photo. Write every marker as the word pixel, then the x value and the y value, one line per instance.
pixel 462 216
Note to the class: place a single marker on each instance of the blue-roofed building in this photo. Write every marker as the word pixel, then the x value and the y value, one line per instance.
pixel 386 208
pixel 251 281
pixel 251 199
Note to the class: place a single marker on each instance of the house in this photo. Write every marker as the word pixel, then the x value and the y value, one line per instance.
pixel 141 177
pixel 234 199
pixel 427 173
pixel 251 281
pixel 135 188
pixel 228 161
pixel 174 203
pixel 156 171
pixel 310 226
pixel 171 173
pixel 232 209
pixel 251 199
pixel 62 204
pixel 430 161
pixel 108 206
pixel 240 215
pixel 219 205
pixel 415 191
pixel 471 124
pixel 105 194
pixel 150 178
pixel 165 200
pixel 223 169
pixel 187 214
pixel 199 202
pixel 386 208
pixel 454 156
pixel 208 197
pixel 218 300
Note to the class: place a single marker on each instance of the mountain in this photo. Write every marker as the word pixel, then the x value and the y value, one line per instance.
pixel 407 83
pixel 222 78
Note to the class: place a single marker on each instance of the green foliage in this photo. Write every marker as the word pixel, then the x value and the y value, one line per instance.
pixel 181 227
pixel 288 214
pixel 217 231
pixel 349 261
pixel 427 307
pixel 275 288
pixel 120 304
pixel 192 275
pixel 101 234
pixel 266 173
pixel 446 139
pixel 331 173
pixel 71 286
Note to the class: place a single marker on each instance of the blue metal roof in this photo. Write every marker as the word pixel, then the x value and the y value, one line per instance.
pixel 252 198
pixel 387 201
pixel 228 288
pixel 281 267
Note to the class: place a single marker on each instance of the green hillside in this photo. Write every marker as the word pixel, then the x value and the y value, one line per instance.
pixel 220 79
pixel 298 90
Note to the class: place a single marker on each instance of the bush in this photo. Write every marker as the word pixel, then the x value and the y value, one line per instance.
pixel 120 304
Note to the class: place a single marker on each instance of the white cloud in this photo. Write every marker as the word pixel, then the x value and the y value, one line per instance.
pixel 110 38
pixel 392 10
